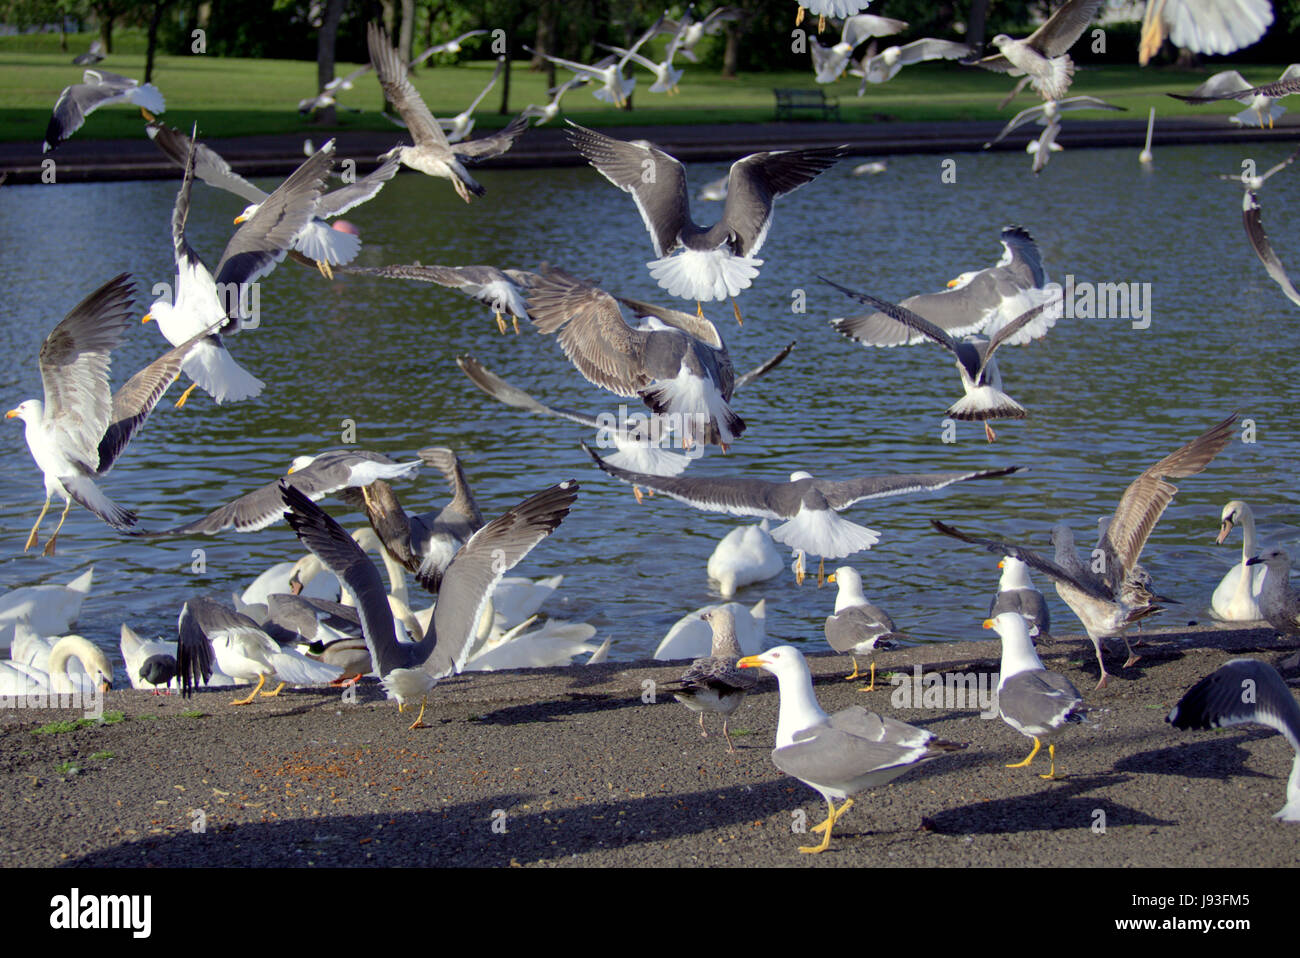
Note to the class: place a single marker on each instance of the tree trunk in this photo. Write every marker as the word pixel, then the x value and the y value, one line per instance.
pixel 544 40
pixel 406 34
pixel 155 19
pixel 979 11
pixel 731 55
pixel 106 33
pixel 325 40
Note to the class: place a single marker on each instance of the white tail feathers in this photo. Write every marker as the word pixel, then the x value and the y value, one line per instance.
pixel 218 375
pixel 985 402
pixel 705 275
pixel 822 532
pixel 319 242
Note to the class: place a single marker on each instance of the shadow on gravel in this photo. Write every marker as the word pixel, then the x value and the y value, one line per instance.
pixel 1220 758
pixel 464 834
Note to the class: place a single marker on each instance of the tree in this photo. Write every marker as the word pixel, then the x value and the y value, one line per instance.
pixel 326 38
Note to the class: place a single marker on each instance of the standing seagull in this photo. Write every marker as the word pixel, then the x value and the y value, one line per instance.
pixel 1043 56
pixel 810 506
pixel 409 671
pixel 1107 601
pixel 715 683
pixel 1033 701
pixel 696 262
pixel 980 379
pixel 1016 593
pixel 80 430
pixel 858 627
pixel 1278 602
pixel 1252 219
pixel 98 88
pixel 1242 692
pixel 842 754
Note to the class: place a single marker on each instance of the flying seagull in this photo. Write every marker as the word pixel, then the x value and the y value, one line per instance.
pixel 1107 601
pixel 1044 114
pixel 829 61
pixel 91 56
pixel 1252 219
pixel 504 291
pixel 317 241
pixel 1203 26
pixel 98 88
pixel 810 507
pixel 1254 182
pixel 1043 56
pixel 1231 85
pixel 328 95
pixel 410 670
pixel 1243 692
pixel 980 378
pixel 81 428
pixel 545 114
pixel 462 124
pixel 696 262
pixel 842 754
pixel 884 66
pixel 450 46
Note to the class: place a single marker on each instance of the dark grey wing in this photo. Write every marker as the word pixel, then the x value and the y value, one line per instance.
pixel 898 313
pixel 503 392
pixel 859 624
pixel 1057 573
pixel 1240 692
pixel 259 244
pixel 337 202
pixel 209 165
pixel 77 102
pixel 1063 28
pixel 480 564
pixel 764 368
pixel 656 181
pixel 1252 219
pixel 832 756
pixel 738 496
pixel 194 656
pixel 755 182
pixel 1273 90
pixel 74 362
pixel 1029 603
pixel 1041 698
pixel 719 674
pixel 486 147
pixel 326 540
pixel 842 493
pixel 1026 259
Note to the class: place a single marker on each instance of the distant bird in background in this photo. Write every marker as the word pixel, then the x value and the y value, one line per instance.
pixel 98 88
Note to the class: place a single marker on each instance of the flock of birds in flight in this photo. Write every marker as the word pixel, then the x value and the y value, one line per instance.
pixel 676 362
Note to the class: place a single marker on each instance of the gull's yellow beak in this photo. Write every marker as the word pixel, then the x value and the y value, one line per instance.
pixel 952 283
pixel 291 469
pixel 1001 563
pixel 240 218
pixel 11 414
pixel 988 623
pixel 831 577
pixel 750 662
pixel 148 318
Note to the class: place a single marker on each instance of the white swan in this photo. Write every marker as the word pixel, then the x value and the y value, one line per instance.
pixel 554 644
pixel 743 557
pixel 1236 599
pixel 692 638
pixel 516 598
pixel 16 679
pixel 318 583
pixel 48 609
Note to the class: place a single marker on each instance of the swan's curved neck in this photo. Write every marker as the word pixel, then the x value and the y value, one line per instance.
pixel 92 659
pixel 1249 545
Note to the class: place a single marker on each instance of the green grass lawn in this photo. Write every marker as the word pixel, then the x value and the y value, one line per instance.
pixel 230 97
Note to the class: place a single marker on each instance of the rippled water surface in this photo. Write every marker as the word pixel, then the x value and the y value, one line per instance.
pixel 1106 400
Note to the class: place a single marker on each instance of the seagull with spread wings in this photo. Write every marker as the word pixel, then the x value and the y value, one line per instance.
pixel 1043 56
pixel 98 88
pixel 1252 219
pixel 1203 26
pixel 1258 100
pixel 829 61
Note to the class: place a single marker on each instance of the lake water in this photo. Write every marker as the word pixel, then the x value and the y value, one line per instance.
pixel 1106 400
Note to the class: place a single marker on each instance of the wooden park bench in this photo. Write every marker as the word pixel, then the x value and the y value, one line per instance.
pixel 791 102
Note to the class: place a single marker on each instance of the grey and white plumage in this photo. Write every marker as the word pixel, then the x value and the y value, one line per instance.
pixel 884 66
pixel 98 88
pixel 1258 100
pixel 410 670
pixel 317 240
pixel 447 46
pixel 980 378
pixel 504 291
pixel 1034 701
pixel 329 93
pixel 1203 26
pixel 79 430
pixel 687 32
pixel 679 367
pixel 91 56
pixel 1107 601
pixel 147 661
pixel 715 683
pixel 809 507
pixel 858 627
pixel 462 124
pixel 829 61
pixel 547 113
pixel 316 477
pixel 1048 112
pixel 1252 219
pixel 1255 182
pixel 695 262
pixel 1043 56
pixel 1244 692
pixel 842 754
pixel 980 301
pixel 1278 602
pixel 614 85
pixel 1016 593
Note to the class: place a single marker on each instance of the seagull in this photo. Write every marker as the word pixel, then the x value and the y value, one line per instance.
pixel 826 9
pixel 1145 156
pixel 666 78
pixel 1252 219
pixel 980 378
pixel 1236 598
pixel 884 66
pixel 450 46
pixel 91 56
pixel 410 670
pixel 1254 183
pixel 688 31
pixel 98 88
pixel 545 114
pixel 1242 692
pixel 208 305
pixel 1106 601
pixel 858 627
pixel 1203 26
pixel 1231 85
pixel 1033 701
pixel 1047 113
pixel 695 262
pixel 315 476
pixel 328 95
pixel 980 301
pixel 1016 593
pixel 81 428
pixel 842 754
pixel 679 366
pixel 614 87
pixel 829 61
pixel 431 154
pixel 1043 56
pixel 317 241
pixel 504 291
pixel 715 684
pixel 810 507
pixel 1278 602
pixel 462 124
